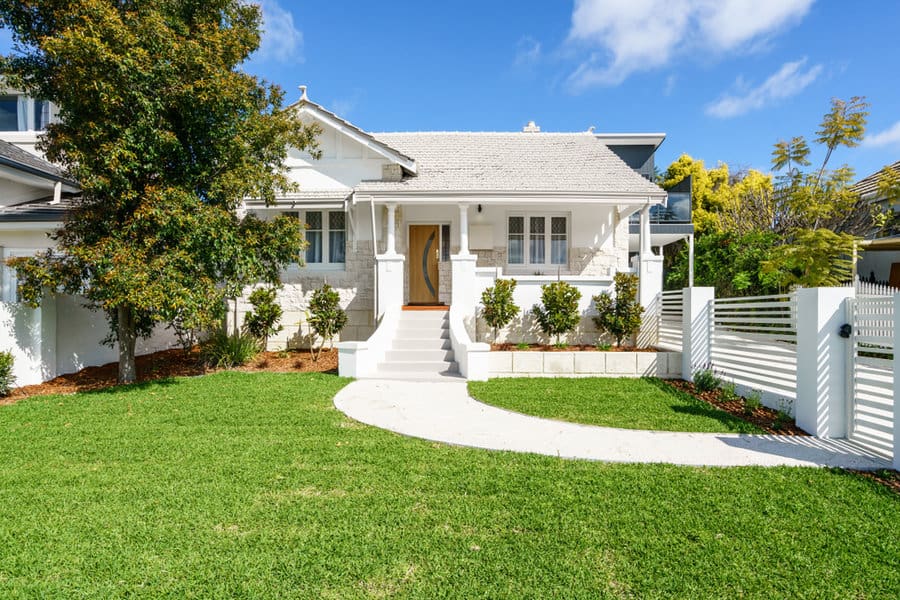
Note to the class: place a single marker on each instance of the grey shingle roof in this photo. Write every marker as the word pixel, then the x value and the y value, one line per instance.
pixel 869 185
pixel 15 157
pixel 42 210
pixel 511 162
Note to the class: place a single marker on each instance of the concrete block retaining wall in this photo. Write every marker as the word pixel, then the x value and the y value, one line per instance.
pixel 666 365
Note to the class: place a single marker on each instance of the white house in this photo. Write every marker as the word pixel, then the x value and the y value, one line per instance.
pixel 415 219
pixel 430 219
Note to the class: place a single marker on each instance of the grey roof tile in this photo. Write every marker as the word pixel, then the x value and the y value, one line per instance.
pixel 42 210
pixel 511 162
pixel 869 185
pixel 13 154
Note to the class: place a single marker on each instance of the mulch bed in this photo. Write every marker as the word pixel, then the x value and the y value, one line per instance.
pixel 175 363
pixel 763 417
pixel 506 347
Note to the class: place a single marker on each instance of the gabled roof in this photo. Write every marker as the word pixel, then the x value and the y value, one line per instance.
pixel 868 185
pixel 13 156
pixel 512 162
pixel 348 128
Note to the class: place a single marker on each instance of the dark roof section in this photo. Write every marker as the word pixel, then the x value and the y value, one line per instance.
pixel 42 210
pixel 13 156
pixel 869 185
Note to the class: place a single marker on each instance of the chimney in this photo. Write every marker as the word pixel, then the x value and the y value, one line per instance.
pixel 531 128
pixel 391 172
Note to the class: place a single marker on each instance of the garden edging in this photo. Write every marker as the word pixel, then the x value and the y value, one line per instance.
pixel 665 365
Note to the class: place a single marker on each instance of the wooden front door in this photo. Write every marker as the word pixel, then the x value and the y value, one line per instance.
pixel 424 247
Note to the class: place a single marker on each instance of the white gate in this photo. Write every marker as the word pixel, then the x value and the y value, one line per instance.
pixel 871 372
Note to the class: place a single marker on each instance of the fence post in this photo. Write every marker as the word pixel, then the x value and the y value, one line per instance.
pixel 896 381
pixel 821 361
pixel 695 329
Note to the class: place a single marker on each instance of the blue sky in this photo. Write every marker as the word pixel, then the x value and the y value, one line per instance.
pixel 724 79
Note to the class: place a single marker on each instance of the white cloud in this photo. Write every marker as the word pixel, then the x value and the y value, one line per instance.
pixel 789 80
pixel 628 36
pixel 528 52
pixel 671 80
pixel 281 41
pixel 888 137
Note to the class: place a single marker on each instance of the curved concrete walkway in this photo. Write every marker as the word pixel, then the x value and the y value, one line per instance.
pixel 442 411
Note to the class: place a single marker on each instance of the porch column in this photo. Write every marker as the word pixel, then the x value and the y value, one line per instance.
pixel 691 260
pixel 391 248
pixel 464 230
pixel 645 232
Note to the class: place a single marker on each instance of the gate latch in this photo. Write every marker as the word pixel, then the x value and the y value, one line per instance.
pixel 845 330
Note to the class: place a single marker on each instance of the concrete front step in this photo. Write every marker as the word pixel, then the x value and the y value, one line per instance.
pixel 423 315
pixel 423 334
pixel 397 355
pixel 430 343
pixel 419 366
pixel 422 326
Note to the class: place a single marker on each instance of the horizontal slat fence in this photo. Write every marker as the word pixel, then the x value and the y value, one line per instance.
pixel 671 324
pixel 753 344
pixel 871 374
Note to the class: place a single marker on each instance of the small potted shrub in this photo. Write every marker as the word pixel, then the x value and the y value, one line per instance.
pixel 620 316
pixel 499 307
pixel 557 314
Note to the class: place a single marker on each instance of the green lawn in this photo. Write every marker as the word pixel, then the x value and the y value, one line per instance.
pixel 613 402
pixel 253 485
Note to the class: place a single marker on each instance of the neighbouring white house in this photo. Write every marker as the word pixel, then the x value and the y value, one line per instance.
pixel 422 219
pixel 880 261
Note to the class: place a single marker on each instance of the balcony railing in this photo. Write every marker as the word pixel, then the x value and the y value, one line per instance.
pixel 676 211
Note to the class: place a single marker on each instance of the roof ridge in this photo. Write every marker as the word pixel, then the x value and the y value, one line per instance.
pixel 460 132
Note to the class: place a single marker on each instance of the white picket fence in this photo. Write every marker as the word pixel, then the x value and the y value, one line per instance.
pixel 671 312
pixel 871 372
pixel 865 288
pixel 753 344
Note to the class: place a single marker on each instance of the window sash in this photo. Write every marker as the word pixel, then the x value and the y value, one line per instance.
pixel 326 235
pixel 544 231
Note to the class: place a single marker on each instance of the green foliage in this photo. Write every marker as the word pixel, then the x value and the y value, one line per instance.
pixel 731 263
pixel 7 378
pixel 727 392
pixel 603 346
pixel 263 321
pixel 620 315
pixel 166 137
pixel 802 225
pixel 557 314
pixel 705 380
pixel 226 350
pixel 752 402
pixel 499 307
pixel 326 317
pixel 522 346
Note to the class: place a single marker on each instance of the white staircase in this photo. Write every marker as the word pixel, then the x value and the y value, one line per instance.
pixel 421 348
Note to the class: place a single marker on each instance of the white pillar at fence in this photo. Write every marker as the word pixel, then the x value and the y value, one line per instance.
pixel 896 380
pixel 822 354
pixel 695 327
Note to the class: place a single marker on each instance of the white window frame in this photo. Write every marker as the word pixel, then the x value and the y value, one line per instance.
pixel 26 108
pixel 325 265
pixel 548 239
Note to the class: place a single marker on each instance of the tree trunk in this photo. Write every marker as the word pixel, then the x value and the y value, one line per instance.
pixel 127 339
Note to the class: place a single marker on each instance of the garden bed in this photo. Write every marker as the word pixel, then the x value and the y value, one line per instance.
pixel 509 347
pixel 175 363
pixel 767 419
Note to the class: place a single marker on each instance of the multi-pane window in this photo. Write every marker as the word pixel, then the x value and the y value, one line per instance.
pixel 542 232
pixel 21 113
pixel 445 243
pixel 326 235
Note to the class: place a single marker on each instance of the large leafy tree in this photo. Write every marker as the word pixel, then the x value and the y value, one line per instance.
pixel 166 136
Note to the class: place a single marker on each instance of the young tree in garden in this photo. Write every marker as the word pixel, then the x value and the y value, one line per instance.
pixel 166 136
pixel 620 316
pixel 499 306
pixel 557 313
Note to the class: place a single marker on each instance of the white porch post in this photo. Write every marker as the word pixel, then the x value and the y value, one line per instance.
pixel 391 248
pixel 464 230
pixel 645 231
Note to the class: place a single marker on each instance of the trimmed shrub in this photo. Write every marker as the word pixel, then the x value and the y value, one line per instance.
pixel 706 381
pixel 557 314
pixel 7 378
pixel 326 317
pixel 224 350
pixel 263 321
pixel 619 316
pixel 499 308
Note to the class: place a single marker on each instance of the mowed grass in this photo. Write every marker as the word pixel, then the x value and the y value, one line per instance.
pixel 254 486
pixel 612 402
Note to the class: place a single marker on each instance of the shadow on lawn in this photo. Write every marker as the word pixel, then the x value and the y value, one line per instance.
pixel 701 409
